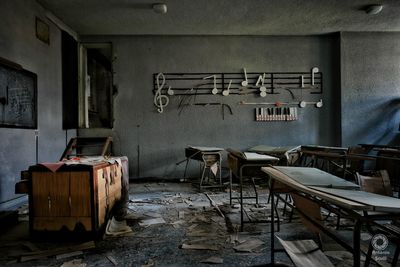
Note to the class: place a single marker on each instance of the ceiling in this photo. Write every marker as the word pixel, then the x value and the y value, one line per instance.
pixel 224 17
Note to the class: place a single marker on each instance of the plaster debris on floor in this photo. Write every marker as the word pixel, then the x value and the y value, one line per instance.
pixel 168 224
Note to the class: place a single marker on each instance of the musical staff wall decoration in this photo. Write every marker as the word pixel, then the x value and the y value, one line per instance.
pixel 167 85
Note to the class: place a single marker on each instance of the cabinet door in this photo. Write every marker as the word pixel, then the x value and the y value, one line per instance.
pixel 115 184
pixel 50 194
pixel 102 188
pixel 80 194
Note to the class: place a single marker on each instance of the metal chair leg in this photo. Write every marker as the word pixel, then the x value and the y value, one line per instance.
pixel 255 189
pixel 230 187
pixel 396 256
pixel 275 207
pixel 285 204
pixel 202 177
pixel 369 255
pixel 184 174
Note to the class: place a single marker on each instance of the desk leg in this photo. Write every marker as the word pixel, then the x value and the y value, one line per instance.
pixel 271 192
pixel 230 187
pixel 344 167
pixel 186 166
pixel 220 169
pixel 241 198
pixel 356 243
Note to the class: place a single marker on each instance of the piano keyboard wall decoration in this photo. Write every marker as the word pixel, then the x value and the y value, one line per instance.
pixel 276 114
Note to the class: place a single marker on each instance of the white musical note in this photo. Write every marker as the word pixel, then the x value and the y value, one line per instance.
pixel 245 82
pixel 170 91
pixel 260 79
pixel 160 100
pixel 260 82
pixel 214 91
pixel 318 104
pixel 226 92
pixel 313 71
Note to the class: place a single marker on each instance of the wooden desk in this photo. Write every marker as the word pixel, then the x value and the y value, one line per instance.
pixel 323 157
pixel 322 188
pixel 287 155
pixel 208 156
pixel 315 177
pixel 242 165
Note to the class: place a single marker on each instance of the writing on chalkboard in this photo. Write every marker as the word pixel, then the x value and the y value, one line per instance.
pixel 18 102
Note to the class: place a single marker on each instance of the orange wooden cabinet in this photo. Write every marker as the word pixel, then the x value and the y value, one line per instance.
pixel 75 197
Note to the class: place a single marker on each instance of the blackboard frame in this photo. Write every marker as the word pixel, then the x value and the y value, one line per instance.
pixel 18 96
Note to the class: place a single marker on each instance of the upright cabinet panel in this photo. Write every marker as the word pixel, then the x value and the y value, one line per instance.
pixel 79 187
pixel 59 197
pixel 50 194
pixel 100 177
pixel 74 197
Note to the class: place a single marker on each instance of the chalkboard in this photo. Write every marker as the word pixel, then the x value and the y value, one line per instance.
pixel 18 97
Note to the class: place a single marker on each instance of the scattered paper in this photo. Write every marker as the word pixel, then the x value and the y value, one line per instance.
pixel 112 260
pixel 74 263
pixel 200 233
pixel 199 247
pixel 148 222
pixel 214 168
pixel 68 255
pixel 178 223
pixel 181 214
pixel 190 228
pixel 117 228
pixel 214 260
pixel 249 245
pixel 152 214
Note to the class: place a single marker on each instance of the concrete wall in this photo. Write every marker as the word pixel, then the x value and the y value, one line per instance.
pixel 361 91
pixel 370 71
pixel 155 142
pixel 19 44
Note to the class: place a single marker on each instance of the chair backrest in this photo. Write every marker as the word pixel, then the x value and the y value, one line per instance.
pixel 88 146
pixel 377 182
pixel 356 164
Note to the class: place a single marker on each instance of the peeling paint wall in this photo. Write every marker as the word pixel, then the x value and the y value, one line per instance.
pixel 18 43
pixel 370 70
pixel 155 142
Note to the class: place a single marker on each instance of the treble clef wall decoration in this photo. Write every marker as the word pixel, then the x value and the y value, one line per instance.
pixel 160 100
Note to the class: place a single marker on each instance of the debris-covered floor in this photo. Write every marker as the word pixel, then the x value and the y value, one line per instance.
pixel 173 225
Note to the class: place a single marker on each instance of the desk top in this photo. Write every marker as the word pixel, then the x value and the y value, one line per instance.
pixel 377 202
pixel 324 148
pixel 306 180
pixel 205 148
pixel 315 177
pixel 252 156
pixel 82 163
pixel 280 150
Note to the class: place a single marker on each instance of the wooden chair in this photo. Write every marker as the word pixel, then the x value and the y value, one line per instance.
pixel 87 146
pixel 378 182
pixel 305 253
